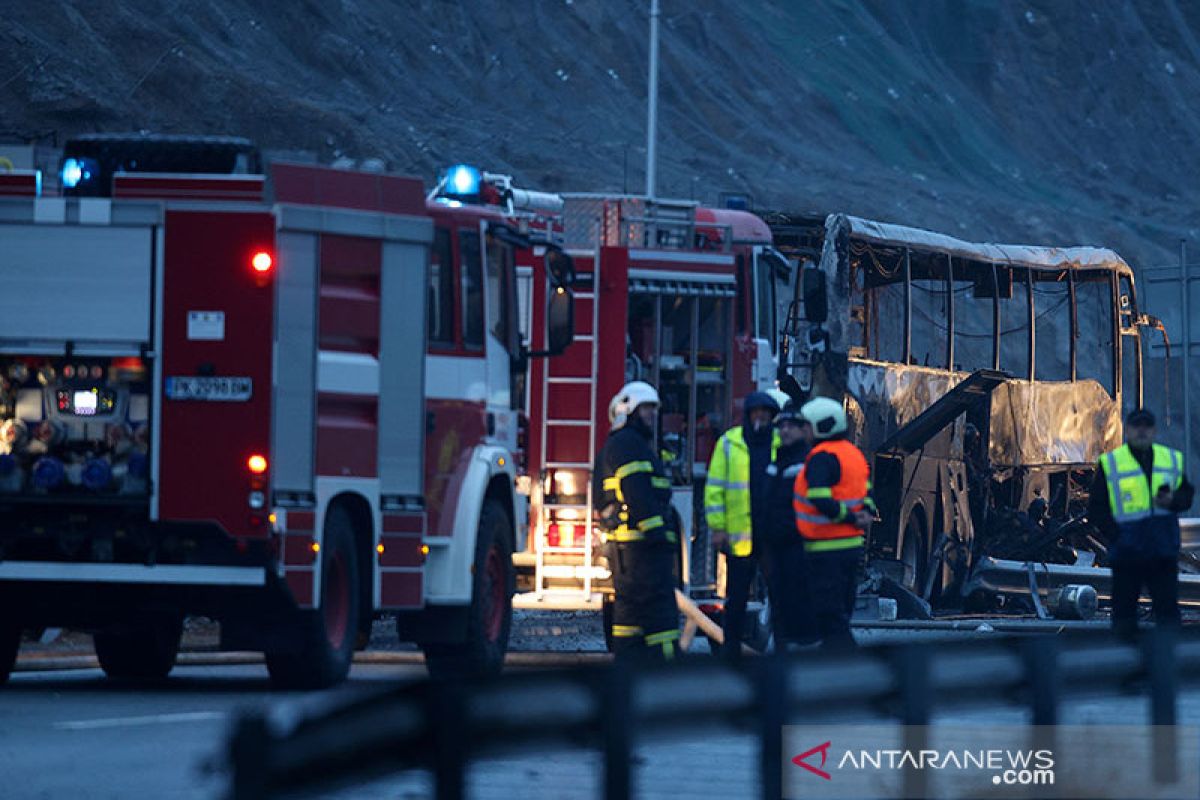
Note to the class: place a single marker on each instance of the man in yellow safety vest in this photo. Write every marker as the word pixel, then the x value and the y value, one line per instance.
pixel 1137 494
pixel 735 504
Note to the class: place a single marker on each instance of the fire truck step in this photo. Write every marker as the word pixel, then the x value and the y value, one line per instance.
pixel 574 572
pixel 577 550
pixel 567 465
pixel 569 423
pixel 558 600
pixel 559 379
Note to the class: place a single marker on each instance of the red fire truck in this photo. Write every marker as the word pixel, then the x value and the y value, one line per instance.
pixel 287 405
pixel 667 292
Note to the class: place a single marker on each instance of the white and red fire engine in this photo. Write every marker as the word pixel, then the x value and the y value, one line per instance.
pixel 286 404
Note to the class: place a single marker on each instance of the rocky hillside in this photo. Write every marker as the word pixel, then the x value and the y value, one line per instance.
pixel 1033 120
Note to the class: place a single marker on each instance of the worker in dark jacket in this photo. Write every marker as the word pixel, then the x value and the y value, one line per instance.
pixel 791 616
pixel 833 508
pixel 633 501
pixel 1137 494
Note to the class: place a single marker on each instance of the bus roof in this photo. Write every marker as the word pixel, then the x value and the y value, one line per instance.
pixel 1049 258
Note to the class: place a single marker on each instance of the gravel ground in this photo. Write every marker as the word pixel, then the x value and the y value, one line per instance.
pixel 532 631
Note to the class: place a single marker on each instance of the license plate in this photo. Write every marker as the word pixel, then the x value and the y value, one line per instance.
pixel 218 390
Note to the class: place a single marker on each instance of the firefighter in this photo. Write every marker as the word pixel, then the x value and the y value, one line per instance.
pixel 791 617
pixel 735 503
pixel 833 508
pixel 1137 494
pixel 634 501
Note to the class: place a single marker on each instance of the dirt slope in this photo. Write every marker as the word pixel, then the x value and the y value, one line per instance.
pixel 1038 121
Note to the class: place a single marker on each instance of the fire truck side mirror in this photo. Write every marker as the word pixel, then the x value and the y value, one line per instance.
pixel 560 267
pixel 816 302
pixel 560 321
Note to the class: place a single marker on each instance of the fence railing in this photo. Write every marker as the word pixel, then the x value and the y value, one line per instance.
pixel 442 726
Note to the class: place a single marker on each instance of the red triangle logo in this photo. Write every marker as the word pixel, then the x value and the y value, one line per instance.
pixel 801 760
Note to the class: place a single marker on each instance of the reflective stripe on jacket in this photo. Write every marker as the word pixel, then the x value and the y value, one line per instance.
pixel 727 489
pixel 630 479
pixel 852 493
pixel 1130 495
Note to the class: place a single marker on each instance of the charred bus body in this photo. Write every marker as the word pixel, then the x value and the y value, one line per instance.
pixel 985 380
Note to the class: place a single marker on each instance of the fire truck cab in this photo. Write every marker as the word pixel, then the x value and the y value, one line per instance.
pixel 289 404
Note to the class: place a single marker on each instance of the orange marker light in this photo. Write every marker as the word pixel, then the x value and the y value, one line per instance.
pixel 379 549
pixel 257 464
pixel 316 547
pixel 261 262
pixel 424 549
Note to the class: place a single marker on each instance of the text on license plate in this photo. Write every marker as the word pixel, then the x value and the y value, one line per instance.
pixel 221 390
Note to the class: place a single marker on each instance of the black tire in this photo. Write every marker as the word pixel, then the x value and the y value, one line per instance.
pixel 10 644
pixel 144 652
pixel 913 553
pixel 323 649
pixel 489 620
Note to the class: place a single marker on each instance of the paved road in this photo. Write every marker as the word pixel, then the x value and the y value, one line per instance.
pixel 76 735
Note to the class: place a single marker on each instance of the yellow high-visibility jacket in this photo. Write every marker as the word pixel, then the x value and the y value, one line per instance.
pixel 727 490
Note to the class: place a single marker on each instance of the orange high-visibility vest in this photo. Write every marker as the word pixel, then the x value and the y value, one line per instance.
pixel 852 491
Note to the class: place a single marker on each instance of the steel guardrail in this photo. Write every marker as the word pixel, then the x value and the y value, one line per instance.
pixel 441 726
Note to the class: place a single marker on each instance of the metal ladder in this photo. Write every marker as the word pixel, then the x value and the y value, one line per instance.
pixel 542 547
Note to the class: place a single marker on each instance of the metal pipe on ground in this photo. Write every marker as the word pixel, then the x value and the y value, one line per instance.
pixel 1012 577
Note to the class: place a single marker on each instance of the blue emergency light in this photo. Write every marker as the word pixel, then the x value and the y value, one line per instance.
pixel 78 170
pixel 462 180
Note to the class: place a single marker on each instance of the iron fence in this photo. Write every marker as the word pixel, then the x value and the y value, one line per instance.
pixel 441 726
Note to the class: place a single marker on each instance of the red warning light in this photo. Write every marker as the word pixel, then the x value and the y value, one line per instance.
pixel 261 262
pixel 257 464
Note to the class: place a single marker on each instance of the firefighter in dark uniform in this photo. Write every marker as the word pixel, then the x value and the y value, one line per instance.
pixel 633 502
pixel 1137 494
pixel 833 508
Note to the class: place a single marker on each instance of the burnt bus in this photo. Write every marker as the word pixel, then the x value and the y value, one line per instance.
pixel 983 380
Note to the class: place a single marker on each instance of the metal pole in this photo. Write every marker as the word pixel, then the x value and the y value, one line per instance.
pixel 907 355
pixel 911 669
pixel 772 700
pixel 1186 294
pixel 652 104
pixel 1158 656
pixel 616 708
pixel 949 312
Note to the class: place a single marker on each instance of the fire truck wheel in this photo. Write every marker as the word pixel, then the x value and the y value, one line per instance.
pixel 144 652
pixel 490 615
pixel 10 643
pixel 324 649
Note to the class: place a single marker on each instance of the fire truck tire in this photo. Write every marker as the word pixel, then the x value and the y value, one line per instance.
pixel 326 637
pixel 10 643
pixel 145 652
pixel 490 614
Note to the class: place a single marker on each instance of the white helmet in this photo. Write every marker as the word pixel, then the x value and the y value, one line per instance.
pixel 629 398
pixel 780 397
pixel 826 416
